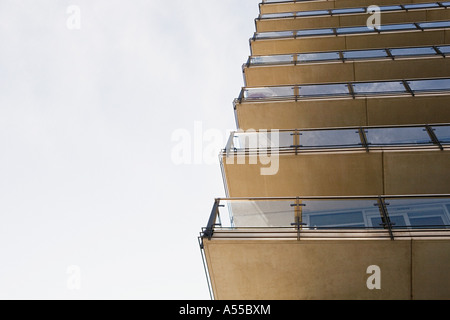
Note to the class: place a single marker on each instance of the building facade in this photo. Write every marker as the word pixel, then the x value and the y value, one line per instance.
pixel 337 177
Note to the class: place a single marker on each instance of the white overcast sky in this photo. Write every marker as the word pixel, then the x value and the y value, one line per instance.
pixel 86 118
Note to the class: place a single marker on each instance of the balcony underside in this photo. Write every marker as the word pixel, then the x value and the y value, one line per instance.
pixel 367 70
pixel 339 173
pixel 318 5
pixel 349 42
pixel 365 111
pixel 266 25
pixel 320 269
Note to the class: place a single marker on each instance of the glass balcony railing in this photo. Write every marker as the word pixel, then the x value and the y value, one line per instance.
pixel 350 55
pixel 421 26
pixel 349 89
pixel 356 10
pixel 349 138
pixel 390 214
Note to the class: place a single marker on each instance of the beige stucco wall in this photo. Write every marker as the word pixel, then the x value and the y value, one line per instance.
pixel 344 112
pixel 364 70
pixel 342 174
pixel 348 42
pixel 317 5
pixel 300 270
pixel 265 25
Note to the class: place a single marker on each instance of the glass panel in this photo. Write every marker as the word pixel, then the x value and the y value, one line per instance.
pixel 442 133
pixel 420 6
pixel 397 222
pixel 268 92
pixel 420 212
pixel 315 32
pixel 329 138
pixel 336 213
pixel 390 8
pixel 429 85
pixel 348 30
pixel 323 90
pixel 348 10
pixel 444 49
pixel 272 59
pixel 397 136
pixel 274 34
pixel 262 140
pixel 320 56
pixel 378 87
pixel 312 13
pixel 262 213
pixel 277 15
pixel 364 54
pixel 435 24
pixel 413 51
pixel 446 3
pixel 395 27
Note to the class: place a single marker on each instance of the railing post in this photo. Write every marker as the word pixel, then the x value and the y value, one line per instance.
pixel 208 233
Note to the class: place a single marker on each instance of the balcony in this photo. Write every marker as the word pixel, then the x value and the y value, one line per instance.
pixel 344 17
pixel 350 38
pixel 338 161
pixel 349 65
pixel 345 104
pixel 277 6
pixel 321 247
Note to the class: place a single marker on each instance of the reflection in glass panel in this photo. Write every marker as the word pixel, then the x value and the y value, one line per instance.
pixel 429 85
pixel 323 90
pixel 378 87
pixel 435 24
pixel 348 10
pixel 442 133
pixel 262 140
pixel 349 30
pixel 336 213
pixel 262 213
pixel 396 221
pixel 268 92
pixel 315 32
pixel 364 54
pixel 287 58
pixel 277 15
pixel 319 56
pixel 397 136
pixel 390 8
pixel 444 49
pixel 413 51
pixel 312 13
pixel 420 212
pixel 421 6
pixel 274 34
pixel 395 27
pixel 330 138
